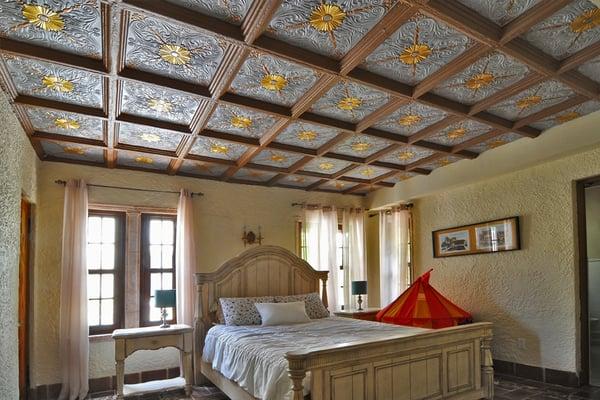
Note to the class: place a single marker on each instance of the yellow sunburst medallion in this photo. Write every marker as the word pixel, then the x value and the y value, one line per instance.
pixel 479 81
pixel 241 122
pixel 529 101
pixel 368 172
pixel 327 17
pixel 444 162
pixel 326 166
pixel 66 123
pixel 74 150
pixel 406 155
pixel 150 137
pixel 457 133
pixel 586 21
pixel 57 84
pixel 349 103
pixel 43 17
pixel 415 54
pixel 160 105
pixel 219 149
pixel 174 54
pixel 144 160
pixel 278 158
pixel 273 82
pixel 339 185
pixel 307 136
pixel 409 119
pixel 496 143
pixel 566 117
pixel 361 146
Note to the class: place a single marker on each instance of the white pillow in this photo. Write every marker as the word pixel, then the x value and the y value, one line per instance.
pixel 282 313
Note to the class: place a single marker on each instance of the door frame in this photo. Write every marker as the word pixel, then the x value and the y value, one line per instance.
pixel 24 300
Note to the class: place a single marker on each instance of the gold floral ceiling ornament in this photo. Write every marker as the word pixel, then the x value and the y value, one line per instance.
pixel 368 172
pixel 160 105
pixel 150 137
pixel 479 81
pixel 529 101
pixel 58 84
pixel 415 54
pixel 307 136
pixel 456 133
pixel 326 166
pixel 409 119
pixel 239 121
pixel 443 162
pixel 219 148
pixel 144 160
pixel 349 103
pixel 406 155
pixel 566 117
pixel 339 185
pixel 278 158
pixel 359 147
pixel 273 82
pixel 66 123
pixel 327 17
pixel 43 17
pixel 586 21
pixel 74 150
pixel 496 143
pixel 174 54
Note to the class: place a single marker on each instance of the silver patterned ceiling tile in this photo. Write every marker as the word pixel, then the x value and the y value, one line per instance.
pixel 406 155
pixel 532 100
pixel 276 158
pixel 71 151
pixel 64 123
pixel 300 181
pixel 591 69
pixel 567 115
pixel 158 103
pixel 330 28
pixel 142 160
pixel 326 166
pixel 72 26
pixel 349 101
pixel 203 169
pixel 171 50
pixel 337 186
pixel 500 11
pixel 401 177
pixel 360 146
pixel 274 80
pixel 495 142
pixel 440 163
pixel 367 172
pixel 54 82
pixel 253 175
pixel 215 148
pixel 153 138
pixel 307 135
pixel 240 121
pixel 416 50
pixel 459 132
pixel 482 79
pixel 571 29
pixel 410 119
pixel 232 11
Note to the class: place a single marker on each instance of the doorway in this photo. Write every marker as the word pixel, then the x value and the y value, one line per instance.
pixel 23 330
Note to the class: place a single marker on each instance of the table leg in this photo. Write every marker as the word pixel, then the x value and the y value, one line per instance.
pixel 187 372
pixel 120 367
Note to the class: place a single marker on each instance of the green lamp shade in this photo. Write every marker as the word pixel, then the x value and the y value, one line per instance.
pixel 359 287
pixel 165 298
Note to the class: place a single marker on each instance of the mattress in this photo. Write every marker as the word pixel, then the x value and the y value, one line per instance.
pixel 254 356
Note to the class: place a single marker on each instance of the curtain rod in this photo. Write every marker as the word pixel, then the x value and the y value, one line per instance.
pixel 61 182
pixel 407 206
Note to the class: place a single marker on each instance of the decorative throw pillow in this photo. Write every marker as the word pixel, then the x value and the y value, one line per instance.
pixel 282 313
pixel 241 310
pixel 315 308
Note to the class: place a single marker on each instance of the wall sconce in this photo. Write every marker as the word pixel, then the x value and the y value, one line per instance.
pixel 250 238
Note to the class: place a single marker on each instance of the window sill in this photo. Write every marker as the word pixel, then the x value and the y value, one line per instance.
pixel 105 337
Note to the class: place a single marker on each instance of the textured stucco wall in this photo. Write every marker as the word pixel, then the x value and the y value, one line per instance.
pixel 220 217
pixel 372 244
pixel 17 177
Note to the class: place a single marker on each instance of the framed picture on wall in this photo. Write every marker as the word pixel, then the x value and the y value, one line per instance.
pixel 484 237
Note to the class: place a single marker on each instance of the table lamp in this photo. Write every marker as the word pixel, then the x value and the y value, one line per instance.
pixel 359 288
pixel 164 299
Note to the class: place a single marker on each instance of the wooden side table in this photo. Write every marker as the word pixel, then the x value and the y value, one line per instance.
pixel 128 341
pixel 368 314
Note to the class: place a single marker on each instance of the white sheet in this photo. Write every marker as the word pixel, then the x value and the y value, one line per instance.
pixel 253 356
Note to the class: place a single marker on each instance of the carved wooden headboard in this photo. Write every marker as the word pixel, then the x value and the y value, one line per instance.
pixel 259 271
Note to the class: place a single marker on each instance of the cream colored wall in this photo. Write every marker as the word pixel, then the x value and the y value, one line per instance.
pixel 220 217
pixel 372 244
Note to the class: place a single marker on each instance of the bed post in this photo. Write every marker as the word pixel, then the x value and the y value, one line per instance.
pixel 324 291
pixel 487 366
pixel 297 373
pixel 200 329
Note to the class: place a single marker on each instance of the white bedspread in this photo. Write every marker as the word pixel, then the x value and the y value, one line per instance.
pixel 253 356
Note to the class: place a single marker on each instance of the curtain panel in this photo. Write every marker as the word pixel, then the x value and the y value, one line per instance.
pixel 353 227
pixel 394 253
pixel 185 259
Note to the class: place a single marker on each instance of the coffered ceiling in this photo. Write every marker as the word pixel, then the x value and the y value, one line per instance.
pixel 340 96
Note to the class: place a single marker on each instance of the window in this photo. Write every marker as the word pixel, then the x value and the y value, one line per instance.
pixel 105 264
pixel 157 264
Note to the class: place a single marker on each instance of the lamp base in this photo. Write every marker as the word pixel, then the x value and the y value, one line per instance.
pixel 163 318
pixel 360 301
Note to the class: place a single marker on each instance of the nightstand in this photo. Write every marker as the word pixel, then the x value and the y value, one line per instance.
pixel 368 314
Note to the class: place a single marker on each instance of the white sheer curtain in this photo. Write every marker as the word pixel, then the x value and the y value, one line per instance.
pixel 319 229
pixel 73 331
pixel 185 259
pixel 354 245
pixel 394 268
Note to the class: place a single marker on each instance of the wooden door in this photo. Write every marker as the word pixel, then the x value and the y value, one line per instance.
pixel 24 298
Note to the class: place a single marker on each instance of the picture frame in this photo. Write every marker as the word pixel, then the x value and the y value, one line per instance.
pixel 481 238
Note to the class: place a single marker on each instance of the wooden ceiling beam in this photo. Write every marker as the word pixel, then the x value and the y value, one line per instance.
pixel 375 156
pixel 433 129
pixel 512 90
pixel 315 185
pixel 57 105
pixel 579 58
pixel 340 137
pixel 381 112
pixel 547 112
pixel 424 161
pixel 257 18
pixel 475 141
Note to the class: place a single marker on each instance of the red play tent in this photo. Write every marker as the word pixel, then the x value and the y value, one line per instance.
pixel 423 306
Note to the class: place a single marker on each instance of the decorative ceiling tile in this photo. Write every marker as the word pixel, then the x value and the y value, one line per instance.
pixel 76 152
pixel 338 186
pixel 495 142
pixel 459 132
pixel 240 121
pixel 410 118
pixel 330 28
pixel 172 50
pixel 215 148
pixel 297 180
pixel 274 80
pixel 416 50
pixel 349 101
pixel 571 29
pixel 158 103
pixel 64 123
pixel 401 177
pixel 591 69
pixel 202 168
pixel 367 172
pixel 150 137
pixel 307 135
pixel 482 79
pixel 406 155
pixel 277 158
pixel 142 160
pixel 532 100
pixel 254 175
pixel 72 26
pixel 500 11
pixel 232 11
pixel 361 146
pixel 441 162
pixel 55 82
pixel 567 115
pixel 326 166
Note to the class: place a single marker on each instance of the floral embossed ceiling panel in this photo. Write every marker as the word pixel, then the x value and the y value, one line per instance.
pixel 73 152
pixel 495 142
pixel 153 138
pixel 591 69
pixel 232 11
pixel 215 148
pixel 459 132
pixel 442 162
pixel 66 124
pixel 307 135
pixel 567 115
pixel 240 121
pixel 203 168
pixel 300 181
pixel 142 160
pixel 367 172
pixel 361 146
pixel 338 186
pixel 253 175
pixel 276 158
pixel 325 166
pixel 500 11
pixel 406 155
pixel 410 118
pixel 400 177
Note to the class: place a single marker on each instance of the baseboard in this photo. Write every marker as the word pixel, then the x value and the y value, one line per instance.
pixel 546 375
pixel 105 385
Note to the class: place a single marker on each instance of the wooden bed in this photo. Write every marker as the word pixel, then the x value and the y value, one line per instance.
pixel 446 363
